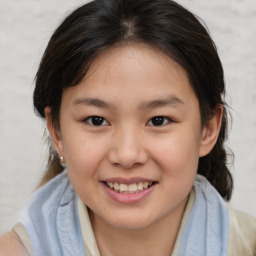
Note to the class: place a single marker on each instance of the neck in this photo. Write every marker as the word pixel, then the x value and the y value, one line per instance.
pixel 157 239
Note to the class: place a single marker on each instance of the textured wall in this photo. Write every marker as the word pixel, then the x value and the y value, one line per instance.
pixel 25 28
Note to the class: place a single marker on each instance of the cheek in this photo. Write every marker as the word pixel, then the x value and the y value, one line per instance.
pixel 83 154
pixel 177 155
pixel 178 159
pixel 83 158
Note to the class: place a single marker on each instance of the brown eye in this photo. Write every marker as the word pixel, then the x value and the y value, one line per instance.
pixel 159 121
pixel 96 121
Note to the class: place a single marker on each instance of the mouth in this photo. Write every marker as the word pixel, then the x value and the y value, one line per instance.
pixel 128 191
pixel 132 188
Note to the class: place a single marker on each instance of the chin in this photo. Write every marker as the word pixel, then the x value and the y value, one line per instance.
pixel 131 222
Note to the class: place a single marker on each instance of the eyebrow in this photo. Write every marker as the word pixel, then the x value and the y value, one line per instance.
pixel 93 102
pixel 173 101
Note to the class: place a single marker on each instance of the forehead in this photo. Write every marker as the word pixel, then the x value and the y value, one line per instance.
pixel 133 72
pixel 135 58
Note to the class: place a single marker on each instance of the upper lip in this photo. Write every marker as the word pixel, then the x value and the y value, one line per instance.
pixel 132 180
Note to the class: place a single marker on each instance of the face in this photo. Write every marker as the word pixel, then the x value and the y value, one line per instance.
pixel 131 136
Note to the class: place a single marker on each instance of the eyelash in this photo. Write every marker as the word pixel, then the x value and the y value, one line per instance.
pixel 102 121
pixel 165 119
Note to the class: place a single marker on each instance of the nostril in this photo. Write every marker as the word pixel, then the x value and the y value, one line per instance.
pixel 127 157
pixel 128 165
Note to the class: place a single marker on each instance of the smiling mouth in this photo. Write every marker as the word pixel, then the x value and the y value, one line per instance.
pixel 129 188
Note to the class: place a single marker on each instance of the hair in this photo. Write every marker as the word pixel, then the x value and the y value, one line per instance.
pixel 163 24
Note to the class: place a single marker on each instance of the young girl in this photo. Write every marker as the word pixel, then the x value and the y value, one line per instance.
pixel 133 97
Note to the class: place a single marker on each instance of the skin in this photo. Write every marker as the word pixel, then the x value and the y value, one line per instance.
pixel 129 86
pixel 11 245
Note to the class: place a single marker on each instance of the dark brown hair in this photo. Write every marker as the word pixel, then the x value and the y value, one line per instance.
pixel 163 24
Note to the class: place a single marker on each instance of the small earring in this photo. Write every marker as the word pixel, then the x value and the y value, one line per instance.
pixel 62 160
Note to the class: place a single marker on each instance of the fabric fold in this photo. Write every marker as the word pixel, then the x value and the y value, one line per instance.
pixel 52 221
pixel 206 230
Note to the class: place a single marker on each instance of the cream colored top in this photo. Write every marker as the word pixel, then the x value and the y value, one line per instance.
pixel 90 244
pixel 241 241
pixel 20 230
pixel 242 234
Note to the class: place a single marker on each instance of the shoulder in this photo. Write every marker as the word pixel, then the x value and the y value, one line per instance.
pixel 51 219
pixel 242 233
pixel 10 244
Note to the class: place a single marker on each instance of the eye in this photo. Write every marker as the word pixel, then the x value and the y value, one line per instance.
pixel 159 121
pixel 96 121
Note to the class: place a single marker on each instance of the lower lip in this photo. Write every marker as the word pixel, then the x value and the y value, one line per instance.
pixel 127 198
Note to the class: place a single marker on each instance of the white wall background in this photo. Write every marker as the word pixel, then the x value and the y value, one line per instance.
pixel 25 27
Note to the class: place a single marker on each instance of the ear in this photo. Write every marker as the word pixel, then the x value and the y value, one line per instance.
pixel 54 132
pixel 211 132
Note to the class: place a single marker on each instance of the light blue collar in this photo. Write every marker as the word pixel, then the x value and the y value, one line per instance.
pixel 206 230
pixel 51 219
pixel 52 222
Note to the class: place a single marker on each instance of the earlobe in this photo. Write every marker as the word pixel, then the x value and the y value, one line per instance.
pixel 210 132
pixel 53 131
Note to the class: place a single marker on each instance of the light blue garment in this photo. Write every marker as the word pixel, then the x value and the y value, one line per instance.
pixel 52 222
pixel 206 230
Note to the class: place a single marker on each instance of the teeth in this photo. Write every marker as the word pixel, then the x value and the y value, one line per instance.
pixel 140 186
pixel 110 184
pixel 131 188
pixel 116 186
pixel 145 184
pixel 123 187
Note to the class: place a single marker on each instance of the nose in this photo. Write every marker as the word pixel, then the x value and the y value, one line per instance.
pixel 128 149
